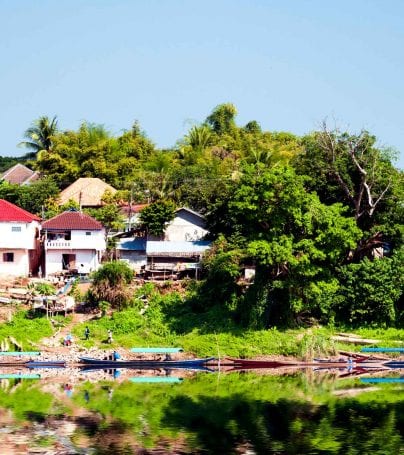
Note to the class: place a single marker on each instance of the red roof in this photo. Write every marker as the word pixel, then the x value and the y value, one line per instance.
pixel 10 212
pixel 136 208
pixel 72 221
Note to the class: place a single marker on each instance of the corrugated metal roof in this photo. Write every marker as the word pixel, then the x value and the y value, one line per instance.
pixel 195 247
pixel 132 244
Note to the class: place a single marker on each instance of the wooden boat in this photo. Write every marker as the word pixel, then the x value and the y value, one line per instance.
pixel 362 363
pixel 107 364
pixel 19 353
pixel 246 363
pixel 20 376
pixel 382 380
pixel 399 350
pixel 156 350
pixel 156 379
pixel 34 364
pixel 45 364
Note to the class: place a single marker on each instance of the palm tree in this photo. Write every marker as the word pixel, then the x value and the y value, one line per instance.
pixel 199 138
pixel 40 134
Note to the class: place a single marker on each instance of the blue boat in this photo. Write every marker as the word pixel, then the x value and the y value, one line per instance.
pixel 382 380
pixel 155 379
pixel 152 364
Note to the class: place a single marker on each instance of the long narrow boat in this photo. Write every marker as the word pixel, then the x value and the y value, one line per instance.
pixel 45 364
pixel 255 364
pixel 190 363
pixel 19 353
pixel 382 380
pixel 19 376
pixel 399 350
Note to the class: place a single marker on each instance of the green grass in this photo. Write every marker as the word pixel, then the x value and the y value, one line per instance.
pixel 207 334
pixel 25 329
pixel 130 329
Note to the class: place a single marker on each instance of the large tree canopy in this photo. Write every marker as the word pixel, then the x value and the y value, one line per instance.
pixel 295 241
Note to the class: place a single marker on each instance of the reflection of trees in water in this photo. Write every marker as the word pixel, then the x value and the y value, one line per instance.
pixel 229 425
pixel 289 427
pixel 265 414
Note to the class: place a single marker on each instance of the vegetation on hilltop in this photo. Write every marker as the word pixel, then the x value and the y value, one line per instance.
pixel 313 214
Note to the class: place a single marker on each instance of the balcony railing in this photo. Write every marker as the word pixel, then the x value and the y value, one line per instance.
pixel 58 244
pixel 76 244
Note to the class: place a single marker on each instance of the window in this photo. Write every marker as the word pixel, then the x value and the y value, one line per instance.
pixel 15 228
pixel 8 257
pixel 88 233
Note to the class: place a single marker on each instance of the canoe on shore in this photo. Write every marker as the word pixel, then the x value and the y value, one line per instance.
pixel 190 363
pixel 361 363
pixel 34 364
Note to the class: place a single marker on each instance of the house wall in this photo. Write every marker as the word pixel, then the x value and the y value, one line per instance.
pixel 22 237
pixel 185 227
pixel 20 265
pixel 135 259
pixel 79 240
pixel 89 259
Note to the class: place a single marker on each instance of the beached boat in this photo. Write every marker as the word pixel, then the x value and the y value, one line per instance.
pixel 138 363
pixel 323 363
pixel 45 364
pixel 34 364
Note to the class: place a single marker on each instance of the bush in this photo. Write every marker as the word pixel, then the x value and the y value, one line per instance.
pixel 110 283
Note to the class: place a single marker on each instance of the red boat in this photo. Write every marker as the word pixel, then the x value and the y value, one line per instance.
pixel 253 364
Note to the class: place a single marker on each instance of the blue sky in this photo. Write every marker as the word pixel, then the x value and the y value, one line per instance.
pixel 287 64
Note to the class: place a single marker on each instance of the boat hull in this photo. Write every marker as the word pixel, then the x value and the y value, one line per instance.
pixel 99 363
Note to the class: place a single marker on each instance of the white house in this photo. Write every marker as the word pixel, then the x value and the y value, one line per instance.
pixel 73 241
pixel 187 226
pixel 19 241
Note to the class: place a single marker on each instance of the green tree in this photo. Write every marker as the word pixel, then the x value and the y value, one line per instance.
pixel 40 134
pixel 295 241
pixel 110 284
pixel 371 291
pixel 222 119
pixel 155 217
pixel 109 216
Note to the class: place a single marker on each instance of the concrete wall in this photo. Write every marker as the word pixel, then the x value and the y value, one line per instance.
pixel 89 259
pixel 20 266
pixel 21 237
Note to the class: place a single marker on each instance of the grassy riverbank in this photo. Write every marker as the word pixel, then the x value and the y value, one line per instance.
pixel 131 329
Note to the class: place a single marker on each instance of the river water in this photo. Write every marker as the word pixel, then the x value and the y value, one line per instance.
pixel 305 412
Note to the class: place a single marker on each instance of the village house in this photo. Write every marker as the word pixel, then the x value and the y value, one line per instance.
pixel 131 215
pixel 86 192
pixel 19 175
pixel 177 254
pixel 74 242
pixel 132 250
pixel 19 241
pixel 186 226
pixel 173 260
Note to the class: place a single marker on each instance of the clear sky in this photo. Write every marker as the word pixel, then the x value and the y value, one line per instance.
pixel 287 64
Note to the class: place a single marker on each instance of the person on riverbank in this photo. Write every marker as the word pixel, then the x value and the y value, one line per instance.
pixel 86 333
pixel 68 340
pixel 110 339
pixel 116 356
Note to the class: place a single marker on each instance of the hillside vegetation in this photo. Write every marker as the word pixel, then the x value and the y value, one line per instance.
pixel 319 216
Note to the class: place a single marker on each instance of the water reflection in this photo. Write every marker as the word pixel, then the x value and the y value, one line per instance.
pixel 226 413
